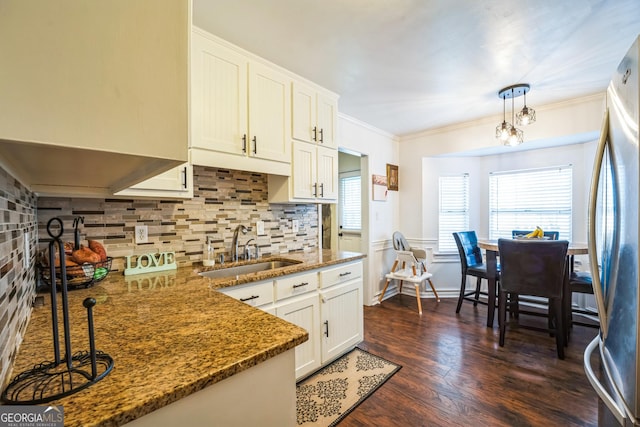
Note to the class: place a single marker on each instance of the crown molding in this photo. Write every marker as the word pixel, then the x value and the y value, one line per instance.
pixel 498 117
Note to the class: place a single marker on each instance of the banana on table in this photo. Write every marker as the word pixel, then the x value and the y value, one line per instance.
pixel 537 233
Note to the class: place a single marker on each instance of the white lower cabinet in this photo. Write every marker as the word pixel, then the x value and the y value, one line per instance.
pixel 304 311
pixel 327 302
pixel 342 324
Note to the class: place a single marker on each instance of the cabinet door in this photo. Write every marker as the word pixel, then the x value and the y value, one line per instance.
pixel 327 119
pixel 303 110
pixel 269 114
pixel 304 170
pixel 176 182
pixel 327 176
pixel 341 314
pixel 218 97
pixel 255 294
pixel 304 311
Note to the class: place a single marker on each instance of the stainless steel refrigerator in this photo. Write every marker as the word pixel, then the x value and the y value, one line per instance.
pixel 613 250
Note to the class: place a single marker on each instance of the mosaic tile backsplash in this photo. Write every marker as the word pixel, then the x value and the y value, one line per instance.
pixel 17 283
pixel 223 199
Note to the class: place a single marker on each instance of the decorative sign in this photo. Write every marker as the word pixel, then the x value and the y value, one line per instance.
pixel 379 187
pixel 148 263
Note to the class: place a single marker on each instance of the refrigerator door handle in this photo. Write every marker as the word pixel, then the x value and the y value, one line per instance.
pixel 617 412
pixel 593 198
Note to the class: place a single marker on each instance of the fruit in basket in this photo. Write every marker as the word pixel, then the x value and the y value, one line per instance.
pixel 67 262
pixel 85 254
pixel 97 247
pixel 68 248
pixel 44 256
pixel 538 233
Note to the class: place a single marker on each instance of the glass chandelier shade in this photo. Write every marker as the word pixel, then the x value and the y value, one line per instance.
pixel 505 131
pixel 527 115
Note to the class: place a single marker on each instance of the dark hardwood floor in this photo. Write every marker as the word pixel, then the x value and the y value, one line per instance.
pixel 454 373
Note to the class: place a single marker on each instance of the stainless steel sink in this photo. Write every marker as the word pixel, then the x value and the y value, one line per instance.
pixel 248 268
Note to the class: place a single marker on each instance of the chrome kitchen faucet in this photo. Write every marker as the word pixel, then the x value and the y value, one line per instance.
pixel 234 242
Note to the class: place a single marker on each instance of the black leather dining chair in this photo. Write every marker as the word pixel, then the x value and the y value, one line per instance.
pixel 580 282
pixel 514 299
pixel 535 268
pixel 472 265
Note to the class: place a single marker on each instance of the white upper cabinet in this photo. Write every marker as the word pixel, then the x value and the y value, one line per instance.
pixel 314 165
pixel 314 176
pixel 269 114
pixel 176 183
pixel 314 115
pixel 94 94
pixel 327 174
pixel 219 97
pixel 241 115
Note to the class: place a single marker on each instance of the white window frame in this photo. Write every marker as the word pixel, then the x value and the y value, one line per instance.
pixel 453 209
pixel 524 199
pixel 345 207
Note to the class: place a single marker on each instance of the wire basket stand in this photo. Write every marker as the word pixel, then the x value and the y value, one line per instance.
pixel 55 379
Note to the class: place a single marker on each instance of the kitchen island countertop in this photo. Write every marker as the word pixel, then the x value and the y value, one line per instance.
pixel 170 334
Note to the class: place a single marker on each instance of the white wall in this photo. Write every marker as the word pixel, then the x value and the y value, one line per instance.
pixel 380 219
pixel 426 156
pixel 577 120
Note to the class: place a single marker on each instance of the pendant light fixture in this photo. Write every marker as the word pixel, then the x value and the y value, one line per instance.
pixel 507 132
pixel 527 115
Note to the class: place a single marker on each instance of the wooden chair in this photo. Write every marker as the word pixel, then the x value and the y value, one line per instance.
pixel 536 268
pixel 472 265
pixel 413 271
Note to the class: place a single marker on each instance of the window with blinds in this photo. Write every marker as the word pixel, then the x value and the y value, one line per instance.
pixel 350 203
pixel 522 200
pixel 453 210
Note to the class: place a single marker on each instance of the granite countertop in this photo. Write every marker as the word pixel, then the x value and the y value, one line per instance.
pixel 170 334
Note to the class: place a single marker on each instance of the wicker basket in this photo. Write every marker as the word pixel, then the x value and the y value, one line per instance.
pixel 78 276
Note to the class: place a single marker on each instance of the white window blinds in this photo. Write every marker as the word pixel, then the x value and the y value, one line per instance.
pixel 453 210
pixel 522 200
pixel 350 195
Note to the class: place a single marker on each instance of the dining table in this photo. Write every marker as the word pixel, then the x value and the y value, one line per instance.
pixel 491 261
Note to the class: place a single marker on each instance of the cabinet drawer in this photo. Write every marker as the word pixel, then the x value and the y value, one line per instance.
pixel 297 284
pixel 254 294
pixel 339 274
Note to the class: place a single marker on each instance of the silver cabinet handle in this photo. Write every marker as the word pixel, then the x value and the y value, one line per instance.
pixel 315 133
pixel 321 136
pixel 244 143
pixel 321 190
pixel 255 145
pixel 315 189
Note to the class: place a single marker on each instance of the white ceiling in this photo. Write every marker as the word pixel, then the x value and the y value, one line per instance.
pixel 408 65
